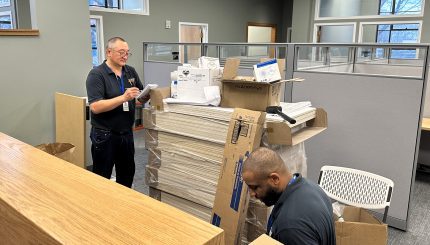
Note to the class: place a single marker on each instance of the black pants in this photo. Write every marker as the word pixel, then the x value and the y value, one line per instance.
pixel 109 149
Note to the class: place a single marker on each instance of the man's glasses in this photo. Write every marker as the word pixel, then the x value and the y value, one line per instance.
pixel 123 53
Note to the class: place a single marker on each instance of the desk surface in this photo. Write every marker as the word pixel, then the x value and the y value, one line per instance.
pixel 48 200
pixel 425 125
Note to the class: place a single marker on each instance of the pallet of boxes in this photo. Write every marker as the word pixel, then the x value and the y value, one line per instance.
pixel 196 147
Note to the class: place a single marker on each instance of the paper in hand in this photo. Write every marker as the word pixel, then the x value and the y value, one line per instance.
pixel 146 90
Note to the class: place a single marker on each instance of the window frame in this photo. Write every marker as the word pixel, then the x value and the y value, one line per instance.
pixel 100 35
pixel 361 24
pixel 317 17
pixel 419 22
pixel 315 32
pixel 145 10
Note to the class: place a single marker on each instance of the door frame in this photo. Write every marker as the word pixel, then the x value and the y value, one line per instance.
pixel 273 26
pixel 205 29
pixel 271 50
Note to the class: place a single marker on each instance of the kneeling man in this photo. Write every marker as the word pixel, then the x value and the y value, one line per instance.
pixel 302 213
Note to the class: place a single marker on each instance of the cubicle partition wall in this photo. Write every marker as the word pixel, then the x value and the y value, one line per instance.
pixel 373 95
pixel 374 101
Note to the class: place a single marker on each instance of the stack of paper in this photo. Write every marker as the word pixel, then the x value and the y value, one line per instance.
pixel 193 126
pixel 189 149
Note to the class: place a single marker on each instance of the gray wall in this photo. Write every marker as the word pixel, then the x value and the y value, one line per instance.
pixel 302 22
pixel 227 21
pixel 34 68
pixel 287 19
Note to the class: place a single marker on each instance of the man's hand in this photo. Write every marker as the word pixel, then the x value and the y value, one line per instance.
pixel 130 93
pixel 144 99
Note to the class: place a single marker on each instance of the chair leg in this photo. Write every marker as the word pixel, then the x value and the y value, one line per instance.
pixel 384 219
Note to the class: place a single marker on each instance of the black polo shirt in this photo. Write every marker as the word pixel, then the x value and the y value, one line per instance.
pixel 102 83
pixel 303 215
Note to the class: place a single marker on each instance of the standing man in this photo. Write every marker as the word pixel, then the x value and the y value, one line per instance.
pixel 302 213
pixel 112 88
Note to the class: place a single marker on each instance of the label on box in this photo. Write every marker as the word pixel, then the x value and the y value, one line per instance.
pixel 267 71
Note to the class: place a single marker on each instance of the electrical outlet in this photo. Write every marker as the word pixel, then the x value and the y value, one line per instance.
pixel 168 24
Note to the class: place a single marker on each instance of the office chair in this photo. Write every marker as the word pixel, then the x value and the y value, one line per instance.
pixel 357 188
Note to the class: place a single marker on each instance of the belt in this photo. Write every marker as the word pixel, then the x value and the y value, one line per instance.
pixel 122 132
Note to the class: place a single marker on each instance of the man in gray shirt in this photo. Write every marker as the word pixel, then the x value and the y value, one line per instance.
pixel 302 213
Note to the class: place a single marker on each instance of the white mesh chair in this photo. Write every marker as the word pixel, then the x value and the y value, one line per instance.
pixel 357 188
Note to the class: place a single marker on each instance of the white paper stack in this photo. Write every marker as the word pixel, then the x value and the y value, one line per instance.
pixel 188 153
pixel 197 127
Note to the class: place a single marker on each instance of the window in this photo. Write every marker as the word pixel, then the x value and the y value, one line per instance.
pixel 120 6
pixel 97 47
pixel 6 20
pixel 104 4
pixel 4 3
pixel 334 32
pixel 400 7
pixel 392 32
pixel 398 33
pixel 347 9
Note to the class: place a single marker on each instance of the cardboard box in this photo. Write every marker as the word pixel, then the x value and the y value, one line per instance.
pixel 360 227
pixel 231 198
pixel 245 92
pixel 60 150
pixel 265 240
pixel 192 81
pixel 282 134
pixel 157 95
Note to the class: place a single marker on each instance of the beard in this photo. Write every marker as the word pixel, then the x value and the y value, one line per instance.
pixel 271 197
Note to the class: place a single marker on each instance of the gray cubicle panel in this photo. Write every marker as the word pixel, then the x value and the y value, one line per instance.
pixel 373 125
pixel 158 72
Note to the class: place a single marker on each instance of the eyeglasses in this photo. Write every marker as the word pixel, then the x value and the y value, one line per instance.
pixel 123 53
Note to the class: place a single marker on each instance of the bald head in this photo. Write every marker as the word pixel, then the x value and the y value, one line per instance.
pixel 264 161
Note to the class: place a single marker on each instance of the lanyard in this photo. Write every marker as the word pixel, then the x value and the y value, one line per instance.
pixel 270 221
pixel 121 84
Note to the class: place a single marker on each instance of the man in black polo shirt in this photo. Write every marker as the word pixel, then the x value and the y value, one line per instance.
pixel 302 213
pixel 112 88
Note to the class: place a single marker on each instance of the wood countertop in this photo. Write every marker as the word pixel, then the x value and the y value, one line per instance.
pixel 46 200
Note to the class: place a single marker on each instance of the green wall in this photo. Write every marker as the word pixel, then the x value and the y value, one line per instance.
pixel 34 68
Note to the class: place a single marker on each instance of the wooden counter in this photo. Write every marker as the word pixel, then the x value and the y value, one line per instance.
pixel 46 200
pixel 425 125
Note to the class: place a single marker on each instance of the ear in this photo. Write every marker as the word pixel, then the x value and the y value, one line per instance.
pixel 274 178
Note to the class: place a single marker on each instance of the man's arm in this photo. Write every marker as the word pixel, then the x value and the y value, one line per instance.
pixel 105 105
pixel 295 237
pixel 96 92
